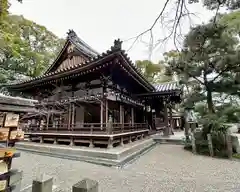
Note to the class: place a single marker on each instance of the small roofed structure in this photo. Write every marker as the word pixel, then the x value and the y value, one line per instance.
pixel 96 99
pixel 16 104
pixel 12 109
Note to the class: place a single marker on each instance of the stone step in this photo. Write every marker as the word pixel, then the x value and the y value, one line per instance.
pixel 170 141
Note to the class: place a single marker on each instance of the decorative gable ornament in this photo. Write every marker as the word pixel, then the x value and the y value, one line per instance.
pixel 117 45
pixel 70 51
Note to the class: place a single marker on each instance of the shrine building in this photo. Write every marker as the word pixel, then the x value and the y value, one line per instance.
pixel 93 99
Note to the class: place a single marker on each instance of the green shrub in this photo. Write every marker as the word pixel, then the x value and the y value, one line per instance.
pixel 236 155
pixel 188 147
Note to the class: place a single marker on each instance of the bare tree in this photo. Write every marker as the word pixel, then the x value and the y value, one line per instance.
pixel 171 17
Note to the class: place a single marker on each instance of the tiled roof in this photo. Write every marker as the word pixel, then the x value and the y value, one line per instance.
pixel 116 49
pixel 63 70
pixel 169 86
pixel 5 99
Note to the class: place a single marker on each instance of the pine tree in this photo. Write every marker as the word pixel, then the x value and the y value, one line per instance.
pixel 211 59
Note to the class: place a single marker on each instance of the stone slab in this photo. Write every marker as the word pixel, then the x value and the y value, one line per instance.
pixel 109 157
pixel 177 138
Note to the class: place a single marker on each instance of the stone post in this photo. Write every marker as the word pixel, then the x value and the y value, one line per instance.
pixel 194 150
pixel 235 143
pixel 15 180
pixel 86 185
pixel 42 184
pixel 229 145
pixel 210 145
pixel 186 130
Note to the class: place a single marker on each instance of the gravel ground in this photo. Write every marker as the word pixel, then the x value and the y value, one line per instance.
pixel 164 168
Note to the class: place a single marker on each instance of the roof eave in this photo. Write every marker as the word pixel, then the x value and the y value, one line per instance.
pixel 148 86
pixel 170 92
pixel 64 73
pixel 58 57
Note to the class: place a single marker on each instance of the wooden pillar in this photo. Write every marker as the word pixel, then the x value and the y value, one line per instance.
pixel 69 115
pixel 73 114
pixel 101 113
pixel 106 111
pixel 166 130
pixel 72 109
pixel 171 122
pixel 47 121
pixel 132 116
pixel 60 121
pixel 121 113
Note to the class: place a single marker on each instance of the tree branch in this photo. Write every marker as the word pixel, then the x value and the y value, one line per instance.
pixel 150 29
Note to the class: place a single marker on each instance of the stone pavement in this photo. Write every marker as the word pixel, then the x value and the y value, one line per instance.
pixel 164 168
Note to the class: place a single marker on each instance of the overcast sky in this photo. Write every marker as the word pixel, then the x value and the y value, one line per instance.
pixel 98 23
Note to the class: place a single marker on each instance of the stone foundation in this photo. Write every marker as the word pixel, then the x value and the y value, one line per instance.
pixel 110 157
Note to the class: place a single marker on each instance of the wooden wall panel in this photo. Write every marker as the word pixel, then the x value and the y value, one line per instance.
pixel 71 61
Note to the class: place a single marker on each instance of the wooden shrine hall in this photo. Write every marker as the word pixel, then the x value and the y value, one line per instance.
pixel 96 99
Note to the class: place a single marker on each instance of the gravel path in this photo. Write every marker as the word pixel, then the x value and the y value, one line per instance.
pixel 164 168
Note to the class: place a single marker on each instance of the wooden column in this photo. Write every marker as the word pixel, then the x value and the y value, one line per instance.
pixel 101 113
pixel 121 113
pixel 73 109
pixel 166 130
pixel 69 115
pixel 171 122
pixel 132 115
pixel 106 111
pixel 73 114
pixel 122 116
pixel 47 120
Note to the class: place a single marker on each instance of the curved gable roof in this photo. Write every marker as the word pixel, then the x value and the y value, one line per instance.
pixel 79 44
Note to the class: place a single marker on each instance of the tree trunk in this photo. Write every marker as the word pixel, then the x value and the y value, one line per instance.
pixel 210 101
